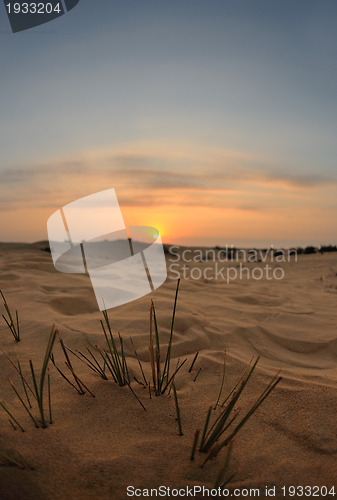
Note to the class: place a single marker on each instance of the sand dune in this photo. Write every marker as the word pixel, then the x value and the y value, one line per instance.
pixel 98 446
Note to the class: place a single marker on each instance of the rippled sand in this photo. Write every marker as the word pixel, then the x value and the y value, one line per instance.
pixel 98 446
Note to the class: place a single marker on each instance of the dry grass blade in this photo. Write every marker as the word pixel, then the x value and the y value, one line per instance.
pixel 52 359
pixel 94 365
pixel 177 411
pixel 2 404
pixel 276 380
pixel 161 379
pixel 10 460
pixel 124 363
pixel 155 353
pixel 110 366
pixel 14 459
pixel 23 379
pixel 24 384
pixel 157 348
pixel 197 375
pixel 173 376
pixel 222 381
pixel 49 399
pixel 195 444
pixel 211 441
pixel 220 480
pixel 172 382
pixel 135 395
pixel 79 382
pixel 39 388
pixel 14 327
pixel 12 424
pixel 244 374
pixel 208 417
pixel 24 404
pixel 219 426
pixel 139 362
pixel 166 371
pixel 193 362
pixel 78 385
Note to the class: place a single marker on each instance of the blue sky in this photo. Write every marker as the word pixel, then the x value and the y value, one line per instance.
pixel 133 93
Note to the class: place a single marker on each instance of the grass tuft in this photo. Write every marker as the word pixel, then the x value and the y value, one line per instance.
pixel 220 434
pixel 13 326
pixel 38 386
pixel 161 377
pixel 115 362
pixel 39 389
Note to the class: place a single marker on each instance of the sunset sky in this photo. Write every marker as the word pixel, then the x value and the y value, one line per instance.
pixel 214 120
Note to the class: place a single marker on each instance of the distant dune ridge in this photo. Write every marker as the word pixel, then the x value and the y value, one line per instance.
pixel 98 446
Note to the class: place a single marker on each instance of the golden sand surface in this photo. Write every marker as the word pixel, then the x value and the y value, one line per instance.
pixel 97 446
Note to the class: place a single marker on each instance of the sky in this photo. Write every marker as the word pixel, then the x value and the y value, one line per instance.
pixel 214 120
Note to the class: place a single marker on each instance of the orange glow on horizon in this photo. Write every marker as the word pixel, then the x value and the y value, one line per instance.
pixel 196 194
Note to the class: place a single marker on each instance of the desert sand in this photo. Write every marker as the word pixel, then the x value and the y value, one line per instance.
pixel 97 446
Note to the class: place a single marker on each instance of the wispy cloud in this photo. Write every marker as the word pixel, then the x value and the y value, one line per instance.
pixel 153 175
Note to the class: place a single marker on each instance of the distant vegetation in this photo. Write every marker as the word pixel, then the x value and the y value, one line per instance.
pixel 311 250
pixel 328 248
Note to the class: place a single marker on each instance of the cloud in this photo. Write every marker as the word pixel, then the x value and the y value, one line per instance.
pixel 155 176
